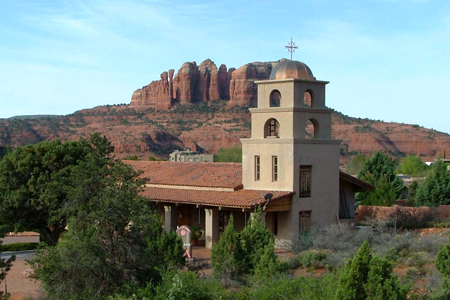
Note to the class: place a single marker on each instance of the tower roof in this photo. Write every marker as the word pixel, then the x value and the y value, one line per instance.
pixel 288 69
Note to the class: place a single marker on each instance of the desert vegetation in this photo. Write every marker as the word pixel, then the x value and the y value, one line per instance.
pixel 110 244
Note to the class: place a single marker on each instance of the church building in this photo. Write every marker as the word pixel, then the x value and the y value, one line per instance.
pixel 290 168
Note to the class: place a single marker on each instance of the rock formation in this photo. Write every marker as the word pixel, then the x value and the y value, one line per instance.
pixel 243 90
pixel 192 83
pixel 205 82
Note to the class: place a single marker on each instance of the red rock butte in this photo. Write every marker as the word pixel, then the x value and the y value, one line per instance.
pixel 206 82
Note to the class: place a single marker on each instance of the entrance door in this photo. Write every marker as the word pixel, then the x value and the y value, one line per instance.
pixel 184 215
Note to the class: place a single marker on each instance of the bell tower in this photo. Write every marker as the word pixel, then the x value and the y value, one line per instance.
pixel 291 148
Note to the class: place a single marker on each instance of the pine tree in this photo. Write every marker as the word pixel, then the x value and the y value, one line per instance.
pixel 354 276
pixel 435 190
pixel 381 283
pixel 379 170
pixel 269 264
pixel 227 255
pixel 255 239
pixel 443 266
pixel 369 277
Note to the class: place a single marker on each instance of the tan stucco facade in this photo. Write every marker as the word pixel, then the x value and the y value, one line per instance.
pixel 292 149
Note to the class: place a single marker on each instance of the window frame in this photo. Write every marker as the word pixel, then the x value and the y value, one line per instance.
pixel 274 168
pixel 305 181
pixel 304 220
pixel 272 129
pixel 272 102
pixel 257 168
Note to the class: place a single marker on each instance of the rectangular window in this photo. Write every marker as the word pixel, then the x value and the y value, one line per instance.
pixel 305 181
pixel 304 220
pixel 257 168
pixel 274 168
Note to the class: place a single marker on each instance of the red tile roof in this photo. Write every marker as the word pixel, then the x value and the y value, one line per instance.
pixel 200 174
pixel 238 199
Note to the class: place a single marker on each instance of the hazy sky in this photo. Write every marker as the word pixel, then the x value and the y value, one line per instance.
pixel 385 59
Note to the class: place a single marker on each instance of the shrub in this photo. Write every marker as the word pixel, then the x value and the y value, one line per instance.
pixel 368 277
pixel 18 247
pixel 227 255
pixel 304 288
pixel 268 265
pixel 255 240
pixel 187 286
pixel 443 265
pixel 313 258
pixel 354 276
pixel 381 283
pixel 429 243
pixel 414 217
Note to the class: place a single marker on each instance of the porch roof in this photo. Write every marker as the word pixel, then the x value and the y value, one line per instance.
pixel 234 199
pixel 198 174
pixel 362 185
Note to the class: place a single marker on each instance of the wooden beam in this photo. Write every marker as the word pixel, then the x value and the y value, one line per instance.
pixel 279 205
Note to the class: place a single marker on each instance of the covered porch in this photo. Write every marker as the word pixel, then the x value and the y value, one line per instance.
pixel 212 218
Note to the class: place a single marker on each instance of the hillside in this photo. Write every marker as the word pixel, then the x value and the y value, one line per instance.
pixel 209 126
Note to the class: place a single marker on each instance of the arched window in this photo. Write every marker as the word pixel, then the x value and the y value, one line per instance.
pixel 312 129
pixel 275 98
pixel 272 129
pixel 308 98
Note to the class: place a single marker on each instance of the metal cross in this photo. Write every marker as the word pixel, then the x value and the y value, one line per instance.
pixel 291 47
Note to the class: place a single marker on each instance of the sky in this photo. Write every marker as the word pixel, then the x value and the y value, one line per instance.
pixel 385 59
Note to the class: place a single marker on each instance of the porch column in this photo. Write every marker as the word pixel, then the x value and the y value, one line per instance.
pixel 211 227
pixel 170 218
pixel 263 216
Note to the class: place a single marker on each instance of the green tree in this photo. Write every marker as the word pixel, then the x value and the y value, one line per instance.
pixel 268 265
pixel 412 191
pixel 35 182
pixel 354 276
pixel 413 165
pixel 4 151
pixel 382 284
pixel 256 240
pixel 355 164
pixel 379 170
pixel 443 264
pixel 227 255
pixel 232 154
pixel 369 277
pixel 435 190
pixel 115 243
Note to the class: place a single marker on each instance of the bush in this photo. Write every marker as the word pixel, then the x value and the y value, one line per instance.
pixel 369 277
pixel 227 257
pixel 443 265
pixel 312 258
pixel 413 217
pixel 187 286
pixel 304 288
pixel 18 247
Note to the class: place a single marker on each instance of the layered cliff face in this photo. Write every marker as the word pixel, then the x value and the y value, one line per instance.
pixel 205 82
pixel 191 84
pixel 243 90
pixel 209 126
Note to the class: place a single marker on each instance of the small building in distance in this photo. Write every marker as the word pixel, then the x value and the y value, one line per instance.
pixel 190 156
